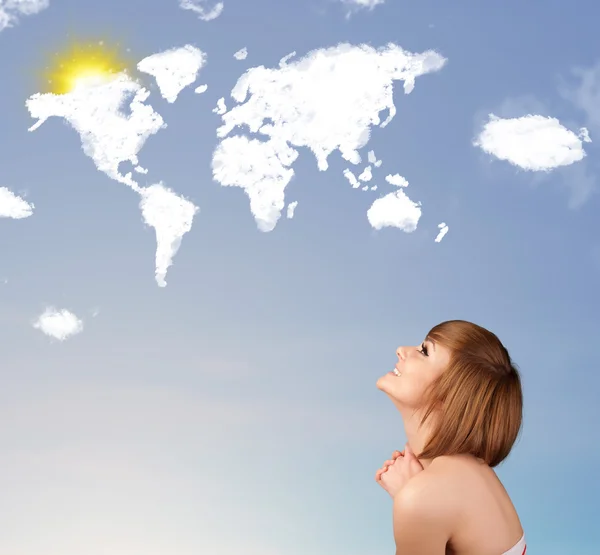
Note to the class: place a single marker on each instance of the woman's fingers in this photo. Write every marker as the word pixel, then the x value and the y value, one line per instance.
pixel 387 464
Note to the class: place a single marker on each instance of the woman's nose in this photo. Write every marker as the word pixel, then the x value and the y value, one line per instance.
pixel 400 352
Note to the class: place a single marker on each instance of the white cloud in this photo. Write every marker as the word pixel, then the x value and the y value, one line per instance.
pixel 174 69
pixel 326 101
pixel 13 206
pixel 291 209
pixel 11 10
pixel 205 13
pixel 443 230
pixel 221 108
pixel 366 175
pixel 108 135
pixel 396 180
pixel 586 95
pixel 171 216
pixel 351 178
pixel 59 324
pixel 373 159
pixel 261 169
pixel 532 142
pixel 241 54
pixel 395 210
pixel 201 89
pixel 362 4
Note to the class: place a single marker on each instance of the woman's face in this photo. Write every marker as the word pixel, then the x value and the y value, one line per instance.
pixel 418 367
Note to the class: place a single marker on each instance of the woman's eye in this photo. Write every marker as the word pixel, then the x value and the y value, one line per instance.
pixel 423 350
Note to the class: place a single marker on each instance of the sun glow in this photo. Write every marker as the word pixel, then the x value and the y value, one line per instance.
pixel 83 65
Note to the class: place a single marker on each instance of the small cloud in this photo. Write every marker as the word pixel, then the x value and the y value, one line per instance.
pixel 443 230
pixel 366 175
pixel 171 216
pixel 221 108
pixel 241 54
pixel 373 159
pixel 201 8
pixel 580 183
pixel 12 10
pixel 532 142
pixel 351 178
pixel 396 180
pixel 586 94
pixel 59 324
pixel 174 69
pixel 13 206
pixel 291 208
pixel 201 89
pixel 355 5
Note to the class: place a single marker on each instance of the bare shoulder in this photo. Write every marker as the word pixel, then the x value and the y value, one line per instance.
pixel 433 491
pixel 423 517
pixel 439 489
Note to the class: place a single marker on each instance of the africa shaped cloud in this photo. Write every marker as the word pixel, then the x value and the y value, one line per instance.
pixel 532 142
pixel 201 7
pixel 108 136
pixel 326 101
pixel 261 169
pixel 13 206
pixel 59 324
pixel 11 10
pixel 171 216
pixel 174 69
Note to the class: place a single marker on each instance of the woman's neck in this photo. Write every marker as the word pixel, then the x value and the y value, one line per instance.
pixel 416 436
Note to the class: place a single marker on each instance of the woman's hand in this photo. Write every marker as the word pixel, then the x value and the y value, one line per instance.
pixel 386 464
pixel 395 473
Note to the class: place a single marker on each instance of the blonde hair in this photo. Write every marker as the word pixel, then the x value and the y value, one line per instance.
pixel 477 401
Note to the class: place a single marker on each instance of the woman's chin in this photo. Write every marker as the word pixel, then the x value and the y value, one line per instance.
pixel 383 384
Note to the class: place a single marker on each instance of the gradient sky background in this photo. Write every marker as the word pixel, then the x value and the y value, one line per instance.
pixel 235 410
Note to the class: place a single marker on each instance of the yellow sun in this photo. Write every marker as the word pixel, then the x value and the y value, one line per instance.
pixel 85 64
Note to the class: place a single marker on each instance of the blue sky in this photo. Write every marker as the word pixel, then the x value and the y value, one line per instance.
pixel 235 410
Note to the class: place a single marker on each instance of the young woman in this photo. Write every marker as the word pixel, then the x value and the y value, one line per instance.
pixel 460 398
